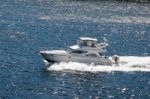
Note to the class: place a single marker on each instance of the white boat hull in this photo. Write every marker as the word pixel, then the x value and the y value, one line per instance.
pixel 67 57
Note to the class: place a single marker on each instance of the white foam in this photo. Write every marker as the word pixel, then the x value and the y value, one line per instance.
pixel 128 64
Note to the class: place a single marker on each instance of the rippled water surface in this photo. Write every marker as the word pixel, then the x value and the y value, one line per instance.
pixel 27 26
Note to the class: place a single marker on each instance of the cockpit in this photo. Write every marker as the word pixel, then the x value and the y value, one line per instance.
pixel 86 41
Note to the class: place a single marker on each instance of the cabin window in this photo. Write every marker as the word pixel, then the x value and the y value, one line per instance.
pixel 91 55
pixel 79 52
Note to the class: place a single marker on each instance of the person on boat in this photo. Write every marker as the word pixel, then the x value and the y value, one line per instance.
pixel 115 58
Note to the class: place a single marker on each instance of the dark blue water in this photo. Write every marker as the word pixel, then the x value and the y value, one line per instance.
pixel 27 26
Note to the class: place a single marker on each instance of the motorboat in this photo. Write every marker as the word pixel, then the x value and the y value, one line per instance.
pixel 87 50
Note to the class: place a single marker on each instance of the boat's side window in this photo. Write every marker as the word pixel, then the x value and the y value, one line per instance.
pixel 100 54
pixel 79 52
pixel 91 55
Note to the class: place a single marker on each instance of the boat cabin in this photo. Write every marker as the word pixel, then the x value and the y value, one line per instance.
pixel 87 41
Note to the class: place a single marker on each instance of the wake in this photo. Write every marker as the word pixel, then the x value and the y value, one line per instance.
pixel 127 64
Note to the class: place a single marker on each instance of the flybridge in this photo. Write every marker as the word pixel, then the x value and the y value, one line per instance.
pixel 90 45
pixel 87 42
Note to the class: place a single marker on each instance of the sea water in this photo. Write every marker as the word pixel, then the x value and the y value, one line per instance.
pixel 28 26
